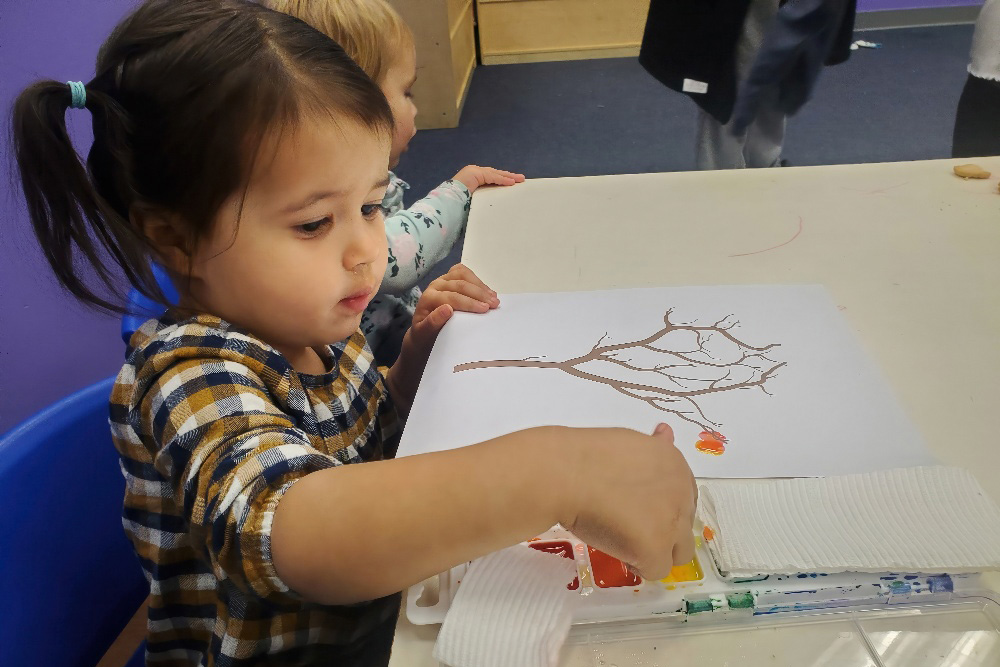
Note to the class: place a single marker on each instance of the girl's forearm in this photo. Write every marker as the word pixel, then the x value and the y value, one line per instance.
pixel 359 532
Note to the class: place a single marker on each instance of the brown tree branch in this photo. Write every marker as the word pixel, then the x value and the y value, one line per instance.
pixel 662 398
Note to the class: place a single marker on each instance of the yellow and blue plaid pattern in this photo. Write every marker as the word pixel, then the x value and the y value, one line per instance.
pixel 213 426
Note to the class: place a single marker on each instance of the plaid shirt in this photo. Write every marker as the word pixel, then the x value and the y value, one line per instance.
pixel 213 427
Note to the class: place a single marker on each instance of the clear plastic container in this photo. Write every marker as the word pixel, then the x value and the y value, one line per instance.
pixel 960 633
pixel 835 620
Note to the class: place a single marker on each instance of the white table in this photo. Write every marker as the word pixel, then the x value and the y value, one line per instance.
pixel 910 253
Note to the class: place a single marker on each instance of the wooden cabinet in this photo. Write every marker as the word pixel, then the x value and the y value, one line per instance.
pixel 517 31
pixel 444 31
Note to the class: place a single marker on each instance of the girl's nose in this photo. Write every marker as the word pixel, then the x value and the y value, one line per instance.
pixel 366 242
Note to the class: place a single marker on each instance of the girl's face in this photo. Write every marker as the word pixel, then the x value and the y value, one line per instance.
pixel 308 250
pixel 397 85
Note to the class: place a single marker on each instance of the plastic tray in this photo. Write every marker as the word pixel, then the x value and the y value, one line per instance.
pixel 836 620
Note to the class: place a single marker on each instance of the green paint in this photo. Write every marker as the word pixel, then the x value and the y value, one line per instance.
pixel 698 606
pixel 740 600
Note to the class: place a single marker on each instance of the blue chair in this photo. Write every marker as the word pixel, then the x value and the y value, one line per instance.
pixel 69 579
pixel 141 308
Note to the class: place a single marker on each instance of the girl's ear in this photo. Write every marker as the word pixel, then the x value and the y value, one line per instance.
pixel 168 236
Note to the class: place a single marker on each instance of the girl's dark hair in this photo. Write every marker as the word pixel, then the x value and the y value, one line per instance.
pixel 185 92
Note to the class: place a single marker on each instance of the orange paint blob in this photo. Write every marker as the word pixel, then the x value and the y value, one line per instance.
pixel 711 442
pixel 609 572
pixel 708 534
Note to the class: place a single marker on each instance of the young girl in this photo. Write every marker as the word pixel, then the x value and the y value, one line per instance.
pixel 378 39
pixel 246 153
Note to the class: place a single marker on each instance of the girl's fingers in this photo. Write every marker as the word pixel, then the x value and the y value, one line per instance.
pixel 462 272
pixel 664 431
pixel 683 551
pixel 427 329
pixel 462 302
pixel 471 290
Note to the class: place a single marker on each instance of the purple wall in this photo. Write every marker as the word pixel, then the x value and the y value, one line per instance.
pixel 49 345
pixel 880 5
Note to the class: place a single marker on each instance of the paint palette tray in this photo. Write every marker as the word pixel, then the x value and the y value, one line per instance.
pixel 699 596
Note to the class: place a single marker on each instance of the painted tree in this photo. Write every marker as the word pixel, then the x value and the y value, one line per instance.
pixel 672 370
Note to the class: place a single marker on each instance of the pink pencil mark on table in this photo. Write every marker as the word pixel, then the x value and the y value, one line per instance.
pixel 757 252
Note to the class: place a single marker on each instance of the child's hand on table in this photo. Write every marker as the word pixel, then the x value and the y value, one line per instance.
pixel 472 177
pixel 459 289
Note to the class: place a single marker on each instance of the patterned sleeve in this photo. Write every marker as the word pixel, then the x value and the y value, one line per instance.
pixel 230 455
pixel 422 235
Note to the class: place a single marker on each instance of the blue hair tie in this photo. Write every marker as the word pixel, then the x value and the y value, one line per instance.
pixel 79 92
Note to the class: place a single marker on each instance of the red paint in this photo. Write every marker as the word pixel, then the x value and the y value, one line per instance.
pixel 609 572
pixel 564 549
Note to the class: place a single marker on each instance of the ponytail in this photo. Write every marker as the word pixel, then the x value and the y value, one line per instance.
pixel 69 216
pixel 184 93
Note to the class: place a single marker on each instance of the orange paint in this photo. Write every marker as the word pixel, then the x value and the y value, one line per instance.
pixel 708 534
pixel 711 442
pixel 609 572
pixel 560 548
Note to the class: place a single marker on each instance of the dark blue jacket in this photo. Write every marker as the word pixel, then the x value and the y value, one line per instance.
pixel 696 40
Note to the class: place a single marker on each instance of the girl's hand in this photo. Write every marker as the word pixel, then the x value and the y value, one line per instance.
pixel 472 177
pixel 635 498
pixel 459 289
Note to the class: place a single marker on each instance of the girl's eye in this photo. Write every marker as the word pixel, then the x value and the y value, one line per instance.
pixel 313 228
pixel 370 211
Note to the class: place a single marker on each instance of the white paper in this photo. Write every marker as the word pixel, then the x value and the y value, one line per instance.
pixel 822 409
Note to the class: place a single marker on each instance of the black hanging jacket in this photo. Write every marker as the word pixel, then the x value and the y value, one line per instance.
pixel 689 46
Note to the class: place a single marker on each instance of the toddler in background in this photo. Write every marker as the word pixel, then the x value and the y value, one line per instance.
pixel 378 39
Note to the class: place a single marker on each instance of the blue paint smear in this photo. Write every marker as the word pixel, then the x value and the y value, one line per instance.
pixel 887 578
pixel 941 584
pixel 910 576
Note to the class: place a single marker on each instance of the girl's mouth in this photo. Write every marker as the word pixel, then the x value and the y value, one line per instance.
pixel 357 300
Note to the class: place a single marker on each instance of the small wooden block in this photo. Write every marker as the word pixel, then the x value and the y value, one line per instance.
pixel 971 171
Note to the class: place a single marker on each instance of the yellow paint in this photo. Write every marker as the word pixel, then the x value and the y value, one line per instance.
pixel 681 573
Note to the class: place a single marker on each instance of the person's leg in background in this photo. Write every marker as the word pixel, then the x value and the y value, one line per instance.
pixel 977 121
pixel 760 145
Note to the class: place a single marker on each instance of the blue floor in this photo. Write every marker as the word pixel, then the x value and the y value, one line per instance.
pixel 589 117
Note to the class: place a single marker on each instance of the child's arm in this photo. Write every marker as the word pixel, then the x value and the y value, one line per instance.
pixel 458 289
pixel 363 531
pixel 423 235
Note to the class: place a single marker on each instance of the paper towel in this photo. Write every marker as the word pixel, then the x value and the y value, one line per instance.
pixel 512 608
pixel 926 519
